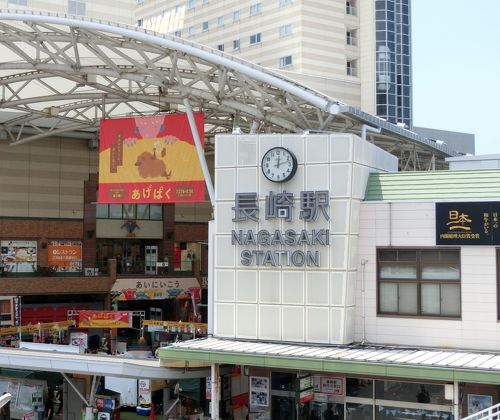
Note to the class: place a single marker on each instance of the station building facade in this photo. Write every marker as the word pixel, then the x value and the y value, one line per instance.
pixel 61 251
pixel 349 287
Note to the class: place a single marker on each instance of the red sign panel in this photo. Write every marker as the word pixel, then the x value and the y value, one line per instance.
pixel 150 160
pixel 103 319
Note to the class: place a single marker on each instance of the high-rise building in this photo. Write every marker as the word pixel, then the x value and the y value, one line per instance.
pixel 357 52
pixel 121 11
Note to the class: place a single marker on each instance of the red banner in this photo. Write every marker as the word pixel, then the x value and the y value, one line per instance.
pixel 104 319
pixel 150 160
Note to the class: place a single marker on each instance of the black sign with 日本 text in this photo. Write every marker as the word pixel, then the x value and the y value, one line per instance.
pixel 468 223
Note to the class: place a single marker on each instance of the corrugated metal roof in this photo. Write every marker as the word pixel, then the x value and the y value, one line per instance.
pixel 442 185
pixel 430 364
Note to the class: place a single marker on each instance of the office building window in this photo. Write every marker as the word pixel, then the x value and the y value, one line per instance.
pixel 419 282
pixel 285 61
pixel 236 44
pixel 285 30
pixel 220 21
pixel 350 9
pixel 76 7
pixel 204 25
pixel 236 15
pixel 178 34
pixel 255 9
pixel 19 2
pixel 220 47
pixel 351 38
pixel 139 23
pixel 255 38
pixel 191 31
pixel 191 4
pixel 284 2
pixel 351 69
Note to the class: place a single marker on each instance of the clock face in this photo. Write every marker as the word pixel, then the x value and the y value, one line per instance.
pixel 279 164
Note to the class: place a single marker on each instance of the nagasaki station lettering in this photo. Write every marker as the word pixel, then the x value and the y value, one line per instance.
pixel 281 205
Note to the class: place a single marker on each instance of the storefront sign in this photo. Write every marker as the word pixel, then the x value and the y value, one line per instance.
pixel 153 289
pixel 65 256
pixel 305 396
pixel 150 160
pixel 104 319
pixel 468 223
pixel 281 206
pixel 18 256
pixel 329 385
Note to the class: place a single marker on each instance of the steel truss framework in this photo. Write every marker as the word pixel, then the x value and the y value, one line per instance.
pixel 59 76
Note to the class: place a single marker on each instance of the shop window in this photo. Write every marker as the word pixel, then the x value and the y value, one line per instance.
pixel 129 211
pixel 155 212
pixel 115 211
pixel 102 211
pixel 419 282
pixel 359 387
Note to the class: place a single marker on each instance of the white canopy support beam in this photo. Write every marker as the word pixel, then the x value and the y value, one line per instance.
pixel 5 399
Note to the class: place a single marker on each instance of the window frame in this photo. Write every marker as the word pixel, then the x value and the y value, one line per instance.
pixel 256 9
pixel 285 30
pixel 419 280
pixel 258 38
pixel 285 61
pixel 78 5
pixel 236 44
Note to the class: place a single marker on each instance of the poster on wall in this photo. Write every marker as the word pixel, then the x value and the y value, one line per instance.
pixel 150 160
pixel 477 403
pixel 65 256
pixel 18 256
pixel 259 391
pixel 78 339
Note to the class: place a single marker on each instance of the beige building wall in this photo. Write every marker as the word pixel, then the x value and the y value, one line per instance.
pixel 45 178
pixel 111 10
pixel 316 37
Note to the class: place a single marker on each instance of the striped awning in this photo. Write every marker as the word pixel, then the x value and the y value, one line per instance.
pixel 375 360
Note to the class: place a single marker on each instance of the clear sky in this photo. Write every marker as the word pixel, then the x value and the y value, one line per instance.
pixel 456 68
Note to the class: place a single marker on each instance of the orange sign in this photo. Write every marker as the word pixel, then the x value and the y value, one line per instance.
pixel 150 160
pixel 104 319
pixel 64 255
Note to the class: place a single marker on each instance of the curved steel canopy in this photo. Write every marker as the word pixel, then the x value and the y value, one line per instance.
pixel 60 76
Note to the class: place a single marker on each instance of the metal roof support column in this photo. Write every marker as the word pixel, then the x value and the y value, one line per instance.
pixel 199 150
pixel 72 385
pixel 215 386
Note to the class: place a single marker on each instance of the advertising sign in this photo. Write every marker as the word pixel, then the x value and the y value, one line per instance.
pixel 16 311
pixel 104 319
pixel 329 385
pixel 468 223
pixel 78 339
pixel 150 160
pixel 19 256
pixel 65 256
pixel 152 289
pixel 259 391
pixel 144 391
